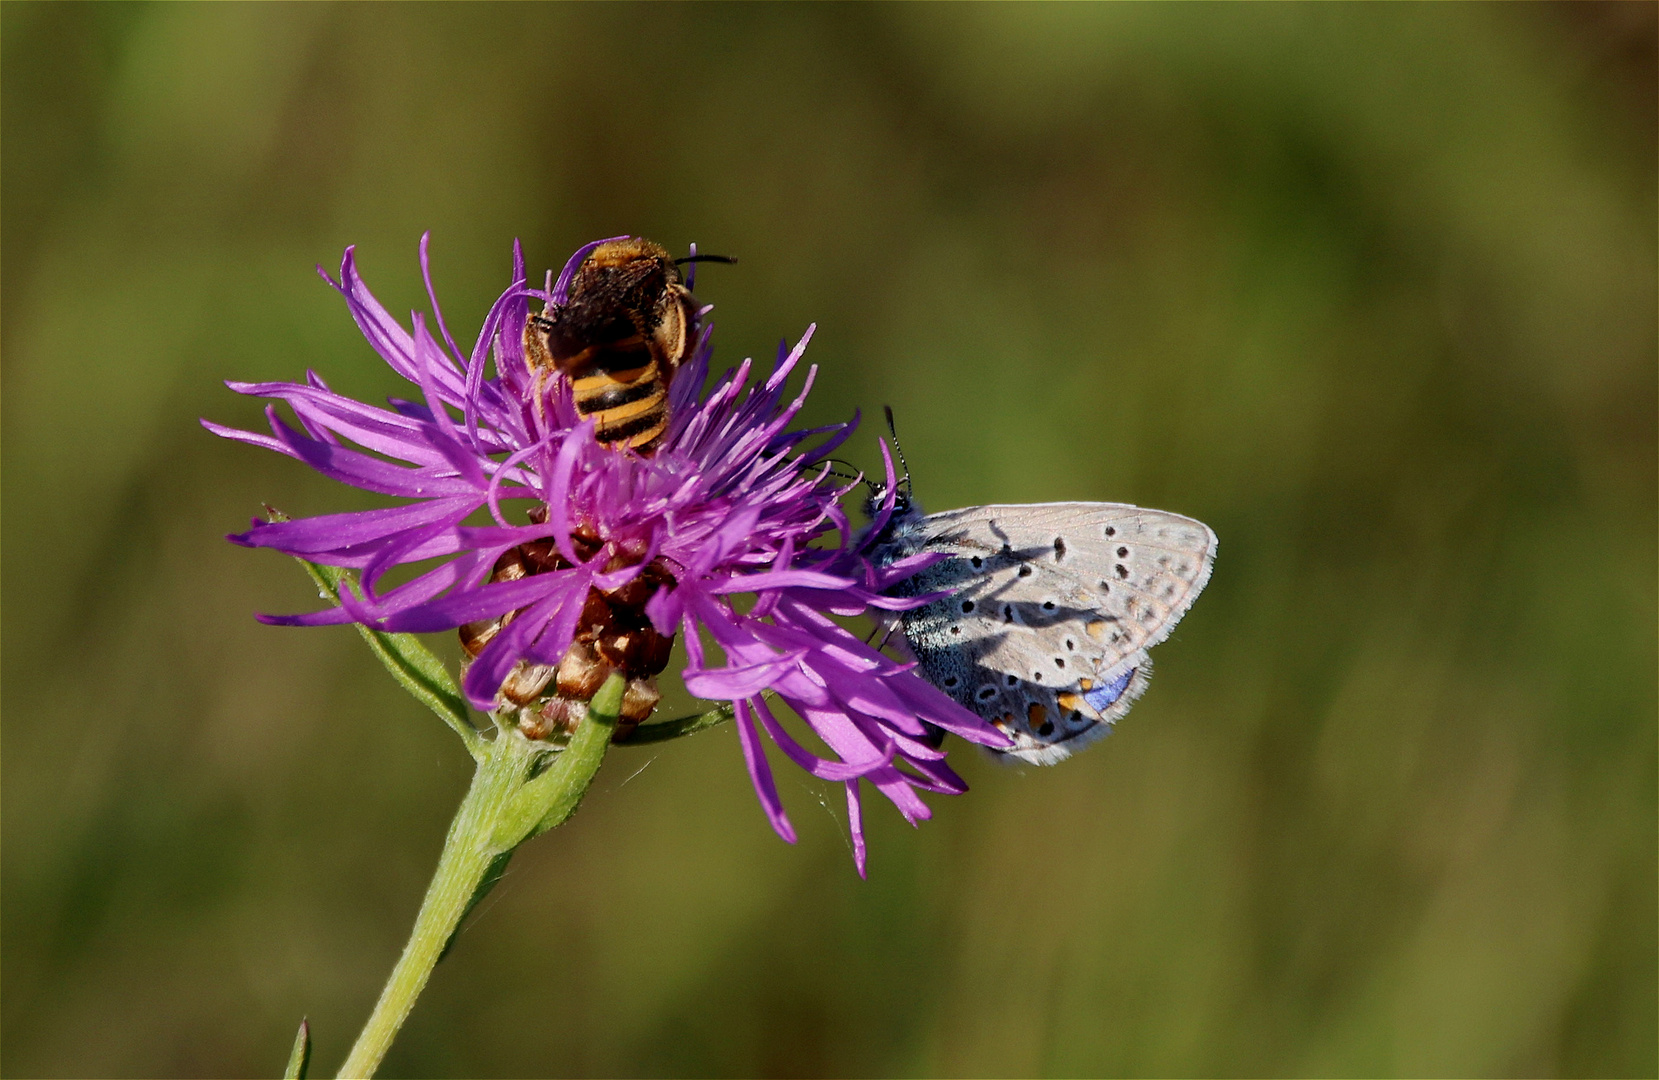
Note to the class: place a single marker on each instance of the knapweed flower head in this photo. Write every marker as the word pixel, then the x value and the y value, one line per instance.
pixel 562 558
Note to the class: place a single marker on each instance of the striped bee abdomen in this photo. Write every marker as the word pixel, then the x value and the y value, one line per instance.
pixel 628 406
pixel 619 334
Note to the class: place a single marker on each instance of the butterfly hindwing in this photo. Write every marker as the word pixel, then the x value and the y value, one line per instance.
pixel 1052 611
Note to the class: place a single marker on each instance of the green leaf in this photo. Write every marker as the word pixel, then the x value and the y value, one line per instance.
pixel 674 729
pixel 548 800
pixel 493 873
pixel 411 663
pixel 299 1058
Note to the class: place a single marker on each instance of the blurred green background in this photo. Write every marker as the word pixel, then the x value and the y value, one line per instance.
pixel 1370 289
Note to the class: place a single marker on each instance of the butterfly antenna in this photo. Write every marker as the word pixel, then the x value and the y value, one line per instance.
pixel 904 481
pixel 854 475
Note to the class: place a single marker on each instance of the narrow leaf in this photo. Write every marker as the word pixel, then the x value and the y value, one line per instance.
pixel 299 1058
pixel 674 729
pixel 410 663
pixel 548 800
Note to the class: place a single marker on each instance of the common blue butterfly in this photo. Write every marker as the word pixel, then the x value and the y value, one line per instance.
pixel 1051 609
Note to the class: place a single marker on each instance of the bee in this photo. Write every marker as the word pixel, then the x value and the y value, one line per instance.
pixel 618 332
pixel 623 328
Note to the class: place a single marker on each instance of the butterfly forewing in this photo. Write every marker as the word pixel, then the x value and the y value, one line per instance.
pixel 1052 609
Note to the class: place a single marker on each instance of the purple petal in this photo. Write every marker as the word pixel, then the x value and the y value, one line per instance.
pixel 779 579
pixel 760 774
pixel 558 495
pixel 822 768
pixel 337 532
pixel 739 681
pixel 549 616
pixel 485 602
pixel 855 825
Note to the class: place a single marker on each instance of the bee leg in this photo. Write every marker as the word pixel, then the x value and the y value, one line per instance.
pixel 537 398
pixel 539 357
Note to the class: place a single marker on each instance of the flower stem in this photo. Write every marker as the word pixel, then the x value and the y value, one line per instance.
pixel 503 807
pixel 460 869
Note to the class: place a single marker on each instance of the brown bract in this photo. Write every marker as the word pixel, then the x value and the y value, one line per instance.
pixel 613 635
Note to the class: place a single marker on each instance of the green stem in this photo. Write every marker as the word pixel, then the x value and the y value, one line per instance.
pixel 461 867
pixel 502 809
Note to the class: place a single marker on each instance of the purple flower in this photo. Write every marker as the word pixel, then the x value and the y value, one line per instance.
pixel 562 558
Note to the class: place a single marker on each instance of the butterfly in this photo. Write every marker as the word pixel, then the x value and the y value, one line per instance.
pixel 1050 608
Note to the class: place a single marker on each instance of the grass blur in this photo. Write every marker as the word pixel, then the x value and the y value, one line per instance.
pixel 1369 289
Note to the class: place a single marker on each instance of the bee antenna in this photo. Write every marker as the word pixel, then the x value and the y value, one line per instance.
pixel 904 481
pixel 694 258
